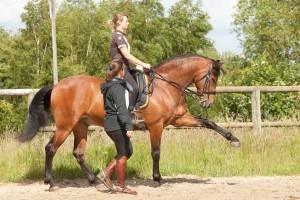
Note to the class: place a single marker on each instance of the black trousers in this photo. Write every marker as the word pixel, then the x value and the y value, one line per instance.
pixel 134 96
pixel 122 143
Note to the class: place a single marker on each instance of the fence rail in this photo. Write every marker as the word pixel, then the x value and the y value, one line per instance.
pixel 255 104
pixel 256 123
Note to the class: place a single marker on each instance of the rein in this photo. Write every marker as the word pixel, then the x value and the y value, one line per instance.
pixel 182 88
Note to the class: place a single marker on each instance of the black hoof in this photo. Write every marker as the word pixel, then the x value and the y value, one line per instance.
pixel 53 188
pixel 157 178
pixel 159 183
pixel 92 180
pixel 49 181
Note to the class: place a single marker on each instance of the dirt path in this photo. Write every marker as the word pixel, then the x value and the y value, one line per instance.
pixel 180 187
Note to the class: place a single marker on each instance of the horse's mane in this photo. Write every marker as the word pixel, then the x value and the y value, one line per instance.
pixel 181 57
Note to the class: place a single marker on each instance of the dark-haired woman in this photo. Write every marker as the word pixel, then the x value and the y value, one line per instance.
pixel 117 125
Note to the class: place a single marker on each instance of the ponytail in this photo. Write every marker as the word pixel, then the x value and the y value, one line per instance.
pixel 114 68
pixel 110 24
pixel 113 23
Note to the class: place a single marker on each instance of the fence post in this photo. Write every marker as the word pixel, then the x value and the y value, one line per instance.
pixel 256 111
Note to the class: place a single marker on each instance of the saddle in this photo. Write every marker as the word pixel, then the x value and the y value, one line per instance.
pixel 142 81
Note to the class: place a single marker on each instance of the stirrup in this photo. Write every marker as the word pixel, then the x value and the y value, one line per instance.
pixel 102 178
pixel 136 117
pixel 137 122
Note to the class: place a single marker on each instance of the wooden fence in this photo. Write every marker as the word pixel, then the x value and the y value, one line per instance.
pixel 256 123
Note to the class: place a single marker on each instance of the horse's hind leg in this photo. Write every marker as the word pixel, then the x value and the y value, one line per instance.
pixel 80 138
pixel 51 148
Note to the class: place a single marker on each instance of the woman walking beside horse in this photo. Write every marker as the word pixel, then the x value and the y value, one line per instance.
pixel 117 125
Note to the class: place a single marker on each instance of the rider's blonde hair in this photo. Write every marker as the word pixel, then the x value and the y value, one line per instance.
pixel 113 23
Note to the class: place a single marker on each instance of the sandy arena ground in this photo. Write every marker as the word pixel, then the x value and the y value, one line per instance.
pixel 179 187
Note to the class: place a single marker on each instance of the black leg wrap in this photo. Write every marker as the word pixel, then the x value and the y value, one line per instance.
pixel 85 168
pixel 50 152
pixel 156 174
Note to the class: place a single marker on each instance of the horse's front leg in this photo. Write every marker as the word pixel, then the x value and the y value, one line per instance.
pixel 190 121
pixel 80 138
pixel 155 137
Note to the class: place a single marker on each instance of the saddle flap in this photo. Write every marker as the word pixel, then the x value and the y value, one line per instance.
pixel 142 82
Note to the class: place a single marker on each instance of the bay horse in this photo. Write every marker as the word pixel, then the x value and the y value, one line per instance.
pixel 77 103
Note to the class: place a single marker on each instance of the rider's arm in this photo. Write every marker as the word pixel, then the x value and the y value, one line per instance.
pixel 133 59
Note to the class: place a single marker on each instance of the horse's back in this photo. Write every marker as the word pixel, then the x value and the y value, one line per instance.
pixel 80 84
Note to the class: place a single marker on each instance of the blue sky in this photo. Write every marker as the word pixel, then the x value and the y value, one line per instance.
pixel 219 11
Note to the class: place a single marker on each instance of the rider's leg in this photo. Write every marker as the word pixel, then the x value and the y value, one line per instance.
pixel 134 94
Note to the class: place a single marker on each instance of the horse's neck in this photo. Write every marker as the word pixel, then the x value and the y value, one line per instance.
pixel 177 73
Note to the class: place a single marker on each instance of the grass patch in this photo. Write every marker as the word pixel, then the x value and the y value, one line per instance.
pixel 199 152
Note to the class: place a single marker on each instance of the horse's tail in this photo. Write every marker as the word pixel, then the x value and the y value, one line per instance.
pixel 38 115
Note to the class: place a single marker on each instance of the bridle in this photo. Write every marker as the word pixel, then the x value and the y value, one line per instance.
pixel 206 86
pixel 184 89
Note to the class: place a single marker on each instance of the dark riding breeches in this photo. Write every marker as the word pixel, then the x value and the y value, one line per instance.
pixel 122 143
pixel 134 96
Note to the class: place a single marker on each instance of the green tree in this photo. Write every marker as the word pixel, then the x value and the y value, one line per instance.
pixel 82 43
pixel 269 33
pixel 5 48
pixel 36 41
pixel 188 27
pixel 269 27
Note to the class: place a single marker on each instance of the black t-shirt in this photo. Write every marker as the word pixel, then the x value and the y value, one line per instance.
pixel 119 40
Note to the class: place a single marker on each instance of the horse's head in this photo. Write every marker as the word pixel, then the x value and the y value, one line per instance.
pixel 181 71
pixel 206 83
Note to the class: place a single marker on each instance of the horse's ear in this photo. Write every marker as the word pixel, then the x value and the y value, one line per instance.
pixel 222 69
pixel 219 64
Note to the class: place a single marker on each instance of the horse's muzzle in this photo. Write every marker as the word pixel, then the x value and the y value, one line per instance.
pixel 205 103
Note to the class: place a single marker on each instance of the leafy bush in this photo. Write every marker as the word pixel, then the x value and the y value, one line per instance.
pixel 12 114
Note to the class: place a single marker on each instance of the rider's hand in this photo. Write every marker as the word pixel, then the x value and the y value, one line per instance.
pixel 129 134
pixel 147 66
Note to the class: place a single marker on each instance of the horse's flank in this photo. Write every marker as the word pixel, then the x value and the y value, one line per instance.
pixel 81 96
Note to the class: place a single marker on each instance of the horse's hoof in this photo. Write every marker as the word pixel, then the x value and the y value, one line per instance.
pixel 158 183
pixel 162 181
pixel 53 188
pixel 235 144
pixel 156 177
pixel 93 181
